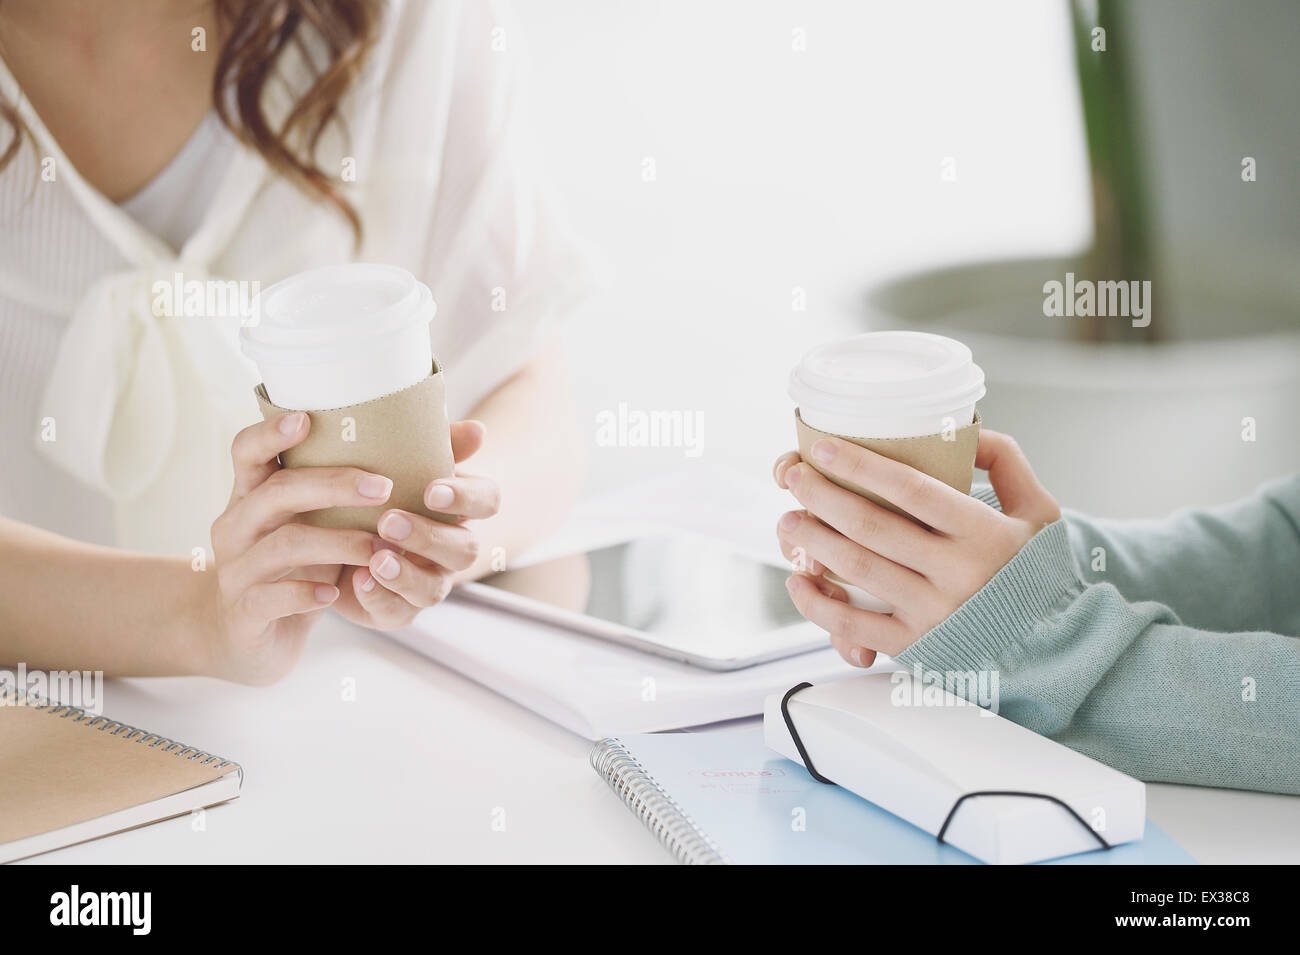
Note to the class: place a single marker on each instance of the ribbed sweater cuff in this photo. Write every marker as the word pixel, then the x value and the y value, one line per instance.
pixel 1040 580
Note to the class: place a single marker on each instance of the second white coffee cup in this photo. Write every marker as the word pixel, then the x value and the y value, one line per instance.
pixel 887 385
pixel 896 384
pixel 341 335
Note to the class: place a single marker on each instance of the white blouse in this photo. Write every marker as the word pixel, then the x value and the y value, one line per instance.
pixel 176 201
pixel 115 423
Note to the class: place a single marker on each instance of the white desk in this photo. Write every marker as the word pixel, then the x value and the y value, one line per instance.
pixel 417 767
pixel 410 772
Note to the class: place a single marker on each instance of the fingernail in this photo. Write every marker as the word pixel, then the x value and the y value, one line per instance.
pixel 395 527
pixel 792 474
pixel 823 451
pixel 789 520
pixel 789 582
pixel 367 584
pixel 856 654
pixel 440 495
pixel 386 567
pixel 779 473
pixel 325 594
pixel 375 486
pixel 292 422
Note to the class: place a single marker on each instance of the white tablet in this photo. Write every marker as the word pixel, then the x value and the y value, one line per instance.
pixel 689 598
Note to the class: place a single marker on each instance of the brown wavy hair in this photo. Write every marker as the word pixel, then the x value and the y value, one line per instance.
pixel 256 33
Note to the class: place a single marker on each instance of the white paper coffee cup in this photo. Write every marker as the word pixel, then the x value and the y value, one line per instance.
pixel 883 385
pixel 341 335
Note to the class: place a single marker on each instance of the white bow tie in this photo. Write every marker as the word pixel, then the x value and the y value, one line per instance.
pixel 142 405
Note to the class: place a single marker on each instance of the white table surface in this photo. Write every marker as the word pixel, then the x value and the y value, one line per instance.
pixel 418 767
pixel 415 770
pixel 423 762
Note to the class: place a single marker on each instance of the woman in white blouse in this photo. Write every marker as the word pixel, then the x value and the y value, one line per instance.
pixel 249 140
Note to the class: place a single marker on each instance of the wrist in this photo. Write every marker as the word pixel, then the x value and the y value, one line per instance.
pixel 199 629
pixel 1036 583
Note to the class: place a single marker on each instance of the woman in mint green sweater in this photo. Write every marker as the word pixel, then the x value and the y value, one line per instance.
pixel 1167 649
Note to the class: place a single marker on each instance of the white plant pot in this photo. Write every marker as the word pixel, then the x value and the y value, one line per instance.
pixel 1129 430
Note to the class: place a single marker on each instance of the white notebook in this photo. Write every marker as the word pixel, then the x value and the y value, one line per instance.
pixel 591 686
pixel 67 776
pixel 994 789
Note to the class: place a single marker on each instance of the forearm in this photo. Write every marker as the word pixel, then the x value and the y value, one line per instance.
pixel 67 605
pixel 534 452
pixel 1227 568
pixel 1126 683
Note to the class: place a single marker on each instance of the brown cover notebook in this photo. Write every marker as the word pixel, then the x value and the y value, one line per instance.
pixel 67 776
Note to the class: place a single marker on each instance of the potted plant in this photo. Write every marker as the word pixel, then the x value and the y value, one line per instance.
pixel 1188 395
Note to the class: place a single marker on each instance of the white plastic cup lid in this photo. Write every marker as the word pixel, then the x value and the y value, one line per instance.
pixel 895 373
pixel 326 314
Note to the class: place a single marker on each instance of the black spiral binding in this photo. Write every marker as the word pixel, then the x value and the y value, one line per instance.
pixel 803 754
pixel 19 696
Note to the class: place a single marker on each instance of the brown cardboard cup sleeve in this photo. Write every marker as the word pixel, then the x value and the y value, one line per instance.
pixel 404 436
pixel 949 458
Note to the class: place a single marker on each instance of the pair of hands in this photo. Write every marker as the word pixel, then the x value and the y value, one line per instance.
pixel 274 576
pixel 925 572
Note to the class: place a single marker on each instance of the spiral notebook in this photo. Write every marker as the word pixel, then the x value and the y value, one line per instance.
pixel 721 796
pixel 67 776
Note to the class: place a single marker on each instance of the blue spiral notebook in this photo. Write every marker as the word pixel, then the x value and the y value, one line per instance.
pixel 721 796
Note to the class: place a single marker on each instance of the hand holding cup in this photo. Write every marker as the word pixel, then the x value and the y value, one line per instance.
pixel 416 558
pixel 890 541
pixel 275 573
pixel 348 494
pixel 924 570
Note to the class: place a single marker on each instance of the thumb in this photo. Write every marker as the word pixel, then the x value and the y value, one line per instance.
pixel 466 438
pixel 1013 479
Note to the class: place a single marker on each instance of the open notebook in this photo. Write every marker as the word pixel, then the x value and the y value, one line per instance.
pixel 67 776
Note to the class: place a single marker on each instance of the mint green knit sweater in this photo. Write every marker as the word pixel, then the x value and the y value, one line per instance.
pixel 1168 649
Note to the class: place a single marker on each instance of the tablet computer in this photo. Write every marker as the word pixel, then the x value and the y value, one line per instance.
pixel 694 599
